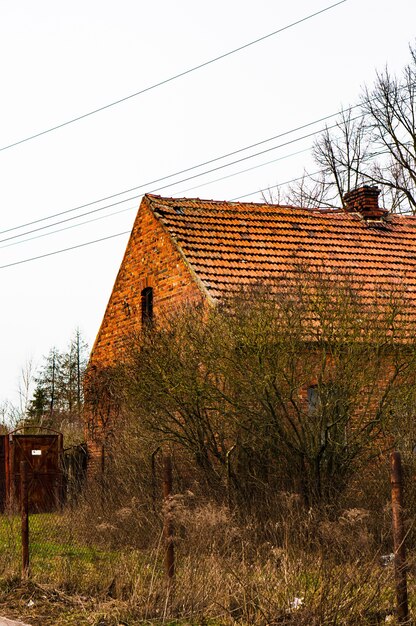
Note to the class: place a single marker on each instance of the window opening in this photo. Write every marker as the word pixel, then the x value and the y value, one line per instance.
pixel 147 305
pixel 313 400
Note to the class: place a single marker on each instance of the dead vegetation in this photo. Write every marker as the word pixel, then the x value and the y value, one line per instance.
pixel 101 563
pixel 300 567
pixel 281 507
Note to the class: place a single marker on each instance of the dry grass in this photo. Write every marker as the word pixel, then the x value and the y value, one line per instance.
pixel 300 568
pixel 101 562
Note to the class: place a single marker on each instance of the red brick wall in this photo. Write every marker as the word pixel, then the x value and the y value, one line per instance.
pixel 151 260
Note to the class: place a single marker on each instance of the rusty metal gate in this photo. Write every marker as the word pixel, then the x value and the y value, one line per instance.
pixel 2 472
pixel 43 453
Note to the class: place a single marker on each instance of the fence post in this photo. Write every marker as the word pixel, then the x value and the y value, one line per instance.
pixel 59 482
pixel 396 479
pixel 229 471
pixel 153 463
pixel 168 521
pixel 24 510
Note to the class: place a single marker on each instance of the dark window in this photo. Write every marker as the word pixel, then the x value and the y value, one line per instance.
pixel 147 305
pixel 313 400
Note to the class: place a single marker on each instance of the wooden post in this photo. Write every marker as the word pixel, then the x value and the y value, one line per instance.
pixel 396 479
pixel 168 521
pixel 24 509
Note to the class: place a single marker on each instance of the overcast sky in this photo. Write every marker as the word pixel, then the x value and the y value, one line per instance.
pixel 61 60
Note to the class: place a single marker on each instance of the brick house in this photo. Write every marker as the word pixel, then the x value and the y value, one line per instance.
pixel 187 249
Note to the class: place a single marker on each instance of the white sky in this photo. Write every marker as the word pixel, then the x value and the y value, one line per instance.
pixel 62 59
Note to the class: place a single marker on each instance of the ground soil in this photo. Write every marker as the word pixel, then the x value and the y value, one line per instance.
pixel 43 606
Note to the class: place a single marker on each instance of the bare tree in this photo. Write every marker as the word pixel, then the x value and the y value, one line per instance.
pixel 10 416
pixel 372 143
pixel 25 386
pixel 341 154
pixel 390 110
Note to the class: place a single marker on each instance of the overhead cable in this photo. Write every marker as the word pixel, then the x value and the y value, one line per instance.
pixel 286 182
pixel 170 79
pixel 213 169
pixel 60 230
pixel 88 243
pixel 81 245
pixel 184 171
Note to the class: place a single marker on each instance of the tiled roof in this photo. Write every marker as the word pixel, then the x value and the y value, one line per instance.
pixel 229 244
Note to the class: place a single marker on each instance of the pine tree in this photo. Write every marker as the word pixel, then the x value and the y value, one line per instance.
pixel 57 401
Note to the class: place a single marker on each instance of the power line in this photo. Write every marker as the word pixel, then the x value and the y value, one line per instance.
pixel 126 232
pixel 286 182
pixel 193 167
pixel 184 171
pixel 88 243
pixel 305 175
pixel 248 169
pixel 60 230
pixel 96 219
pixel 214 169
pixel 69 219
pixel 81 245
pixel 242 159
pixel 171 78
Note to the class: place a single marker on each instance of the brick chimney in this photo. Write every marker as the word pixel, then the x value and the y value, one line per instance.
pixel 364 200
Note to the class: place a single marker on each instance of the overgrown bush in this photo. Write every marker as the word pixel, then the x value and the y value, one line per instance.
pixel 279 408
pixel 279 388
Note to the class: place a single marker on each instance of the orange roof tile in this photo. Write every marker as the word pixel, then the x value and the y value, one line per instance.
pixel 228 244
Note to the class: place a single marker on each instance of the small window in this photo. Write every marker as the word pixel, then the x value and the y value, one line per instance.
pixel 147 305
pixel 313 400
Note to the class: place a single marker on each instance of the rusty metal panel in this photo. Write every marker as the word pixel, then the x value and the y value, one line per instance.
pixel 2 472
pixel 43 455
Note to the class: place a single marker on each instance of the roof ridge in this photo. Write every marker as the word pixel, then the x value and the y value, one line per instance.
pixel 232 204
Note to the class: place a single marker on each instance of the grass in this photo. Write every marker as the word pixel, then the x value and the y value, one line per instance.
pixel 226 573
pixel 50 536
pixel 55 552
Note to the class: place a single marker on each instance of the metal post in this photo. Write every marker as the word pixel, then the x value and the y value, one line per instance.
pixel 12 501
pixel 8 500
pixel 229 471
pixel 153 461
pixel 24 509
pixel 168 521
pixel 59 483
pixel 396 479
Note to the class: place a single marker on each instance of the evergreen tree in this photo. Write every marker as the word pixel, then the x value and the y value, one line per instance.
pixel 38 405
pixel 57 401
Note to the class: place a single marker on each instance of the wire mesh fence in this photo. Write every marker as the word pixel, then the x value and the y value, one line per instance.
pixel 66 553
pixel 40 495
pixel 115 541
pixel 95 538
pixel 52 542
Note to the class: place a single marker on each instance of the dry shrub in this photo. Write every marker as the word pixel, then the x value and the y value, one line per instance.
pixel 203 528
pixel 303 567
pixel 113 526
pixel 277 563
pixel 349 536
